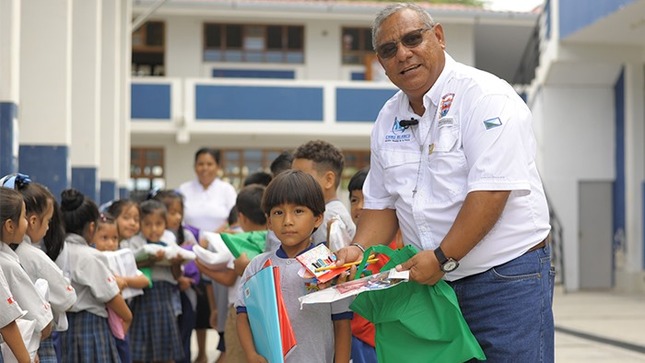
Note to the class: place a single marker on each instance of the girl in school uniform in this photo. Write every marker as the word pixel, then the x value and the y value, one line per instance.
pixel 41 207
pixel 126 212
pixel 155 335
pixel 88 338
pixel 10 311
pixel 13 229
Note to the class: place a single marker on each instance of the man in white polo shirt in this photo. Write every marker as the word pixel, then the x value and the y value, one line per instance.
pixel 453 165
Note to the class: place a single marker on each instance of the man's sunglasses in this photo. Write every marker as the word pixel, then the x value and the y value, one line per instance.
pixel 409 40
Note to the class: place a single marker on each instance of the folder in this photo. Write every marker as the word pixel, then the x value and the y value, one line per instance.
pixel 251 243
pixel 268 315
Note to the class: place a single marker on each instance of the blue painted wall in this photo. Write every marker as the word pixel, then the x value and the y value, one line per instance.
pixel 108 191
pixel 253 73
pixel 619 159
pixel 150 101
pixel 8 139
pixel 258 103
pixel 359 104
pixel 578 14
pixel 85 179
pixel 47 165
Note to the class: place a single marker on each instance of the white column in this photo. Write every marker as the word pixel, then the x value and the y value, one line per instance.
pixel 110 99
pixel 125 69
pixel 9 87
pixel 634 174
pixel 86 91
pixel 45 91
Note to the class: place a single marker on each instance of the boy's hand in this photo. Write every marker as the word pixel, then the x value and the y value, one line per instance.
pixel 240 263
pixel 120 282
pixel 158 256
pixel 255 358
pixel 178 260
pixel 184 283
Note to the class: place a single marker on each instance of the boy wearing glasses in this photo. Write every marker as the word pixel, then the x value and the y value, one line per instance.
pixel 453 164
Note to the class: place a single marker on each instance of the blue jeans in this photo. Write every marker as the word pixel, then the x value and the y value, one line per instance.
pixel 508 308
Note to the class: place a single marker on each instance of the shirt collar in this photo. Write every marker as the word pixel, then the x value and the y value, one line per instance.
pixel 280 252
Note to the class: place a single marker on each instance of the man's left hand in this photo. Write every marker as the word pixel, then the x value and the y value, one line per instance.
pixel 424 268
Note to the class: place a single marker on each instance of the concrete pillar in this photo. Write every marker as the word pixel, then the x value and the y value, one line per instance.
pixel 125 68
pixel 111 54
pixel 9 86
pixel 45 92
pixel 86 91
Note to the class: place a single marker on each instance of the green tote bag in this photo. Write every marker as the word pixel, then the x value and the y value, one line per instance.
pixel 416 323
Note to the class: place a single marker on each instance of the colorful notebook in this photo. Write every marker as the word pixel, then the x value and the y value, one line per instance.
pixel 268 315
pixel 316 258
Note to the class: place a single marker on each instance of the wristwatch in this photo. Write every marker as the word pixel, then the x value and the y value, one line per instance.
pixel 447 264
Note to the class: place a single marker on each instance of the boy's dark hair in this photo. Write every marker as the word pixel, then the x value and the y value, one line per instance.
pixel 325 156
pixel 166 197
pixel 294 187
pixel 357 180
pixel 77 210
pixel 215 153
pixel 281 163
pixel 232 216
pixel 152 206
pixel 259 177
pixel 249 203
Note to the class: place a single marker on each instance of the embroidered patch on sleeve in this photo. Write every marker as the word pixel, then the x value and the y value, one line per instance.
pixel 492 123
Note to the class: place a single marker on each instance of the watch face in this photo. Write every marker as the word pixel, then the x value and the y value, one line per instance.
pixel 450 265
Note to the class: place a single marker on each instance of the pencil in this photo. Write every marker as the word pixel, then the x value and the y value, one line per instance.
pixel 349 264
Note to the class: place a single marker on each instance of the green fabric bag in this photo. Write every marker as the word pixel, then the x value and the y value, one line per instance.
pixel 416 323
pixel 251 243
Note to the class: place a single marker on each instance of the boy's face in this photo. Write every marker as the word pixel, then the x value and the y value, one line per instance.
pixel 355 204
pixel 293 225
pixel 152 227
pixel 106 237
pixel 309 167
pixel 128 222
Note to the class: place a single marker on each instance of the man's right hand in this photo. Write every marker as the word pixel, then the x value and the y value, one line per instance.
pixel 348 254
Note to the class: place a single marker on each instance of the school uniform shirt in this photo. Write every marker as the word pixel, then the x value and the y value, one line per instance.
pixel 9 308
pixel 313 324
pixel 24 291
pixel 38 265
pixel 476 135
pixel 158 273
pixel 91 277
pixel 207 209
pixel 334 208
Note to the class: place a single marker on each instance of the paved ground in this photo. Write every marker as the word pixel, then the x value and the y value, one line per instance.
pixel 591 327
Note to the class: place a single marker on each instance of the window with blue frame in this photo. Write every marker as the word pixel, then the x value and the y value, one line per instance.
pixel 253 43
pixel 357 45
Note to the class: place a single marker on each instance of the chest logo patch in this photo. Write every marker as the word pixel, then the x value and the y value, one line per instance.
pixel 398 133
pixel 446 102
pixel 492 123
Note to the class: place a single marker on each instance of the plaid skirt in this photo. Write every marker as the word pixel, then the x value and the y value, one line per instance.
pixel 46 351
pixel 154 334
pixel 88 339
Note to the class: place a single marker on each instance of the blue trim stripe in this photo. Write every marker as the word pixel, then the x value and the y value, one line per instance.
pixel 253 73
pixel 358 76
pixel 108 191
pixel 618 213
pixel 215 102
pixel 358 104
pixel 47 165
pixel 643 221
pixel 85 179
pixel 150 101
pixel 8 157
pixel 578 14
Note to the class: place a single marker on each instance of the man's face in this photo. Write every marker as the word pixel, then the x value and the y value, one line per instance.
pixel 414 70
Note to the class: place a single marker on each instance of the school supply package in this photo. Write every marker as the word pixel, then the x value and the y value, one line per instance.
pixel 414 320
pixel 268 315
pixel 122 263
pixel 216 255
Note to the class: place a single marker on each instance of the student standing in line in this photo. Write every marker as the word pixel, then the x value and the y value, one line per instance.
pixel 294 205
pixel 10 311
pixel 155 334
pixel 88 338
pixel 325 163
pixel 126 212
pixel 41 207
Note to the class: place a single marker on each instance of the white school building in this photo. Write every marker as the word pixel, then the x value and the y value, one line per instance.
pixel 115 96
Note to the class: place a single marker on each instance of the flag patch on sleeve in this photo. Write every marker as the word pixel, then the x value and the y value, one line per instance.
pixel 492 123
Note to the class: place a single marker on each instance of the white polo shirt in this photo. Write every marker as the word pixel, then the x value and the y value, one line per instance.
pixel 207 209
pixel 476 134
